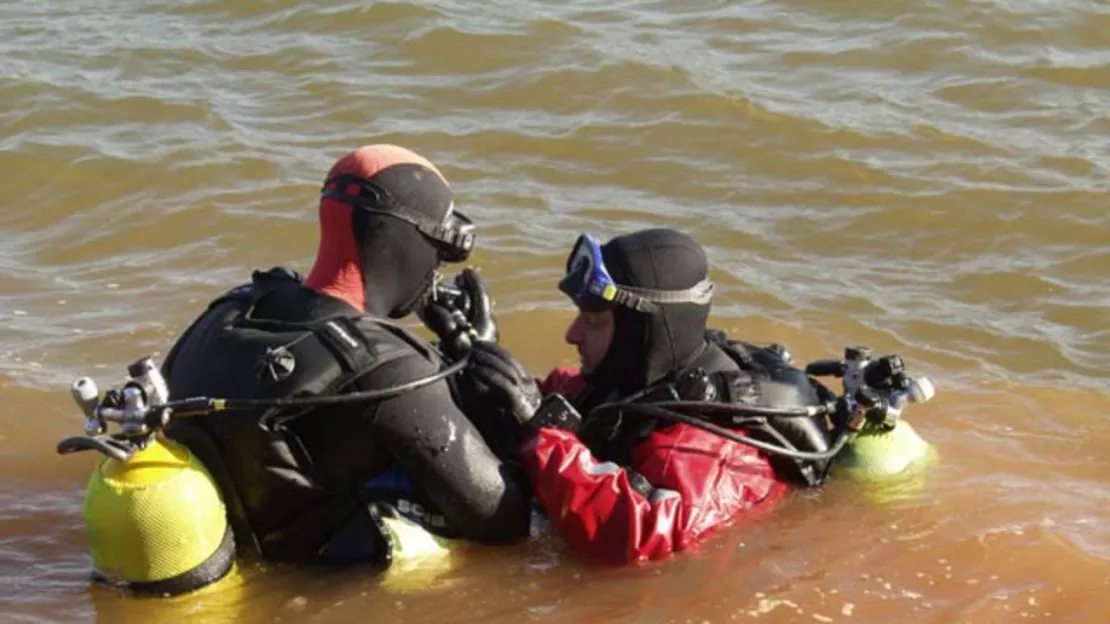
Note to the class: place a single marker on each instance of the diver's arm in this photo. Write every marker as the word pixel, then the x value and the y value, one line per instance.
pixel 482 497
pixel 603 511
pixel 683 485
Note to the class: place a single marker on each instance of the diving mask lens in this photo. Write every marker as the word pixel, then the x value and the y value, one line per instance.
pixel 587 281
pixel 456 238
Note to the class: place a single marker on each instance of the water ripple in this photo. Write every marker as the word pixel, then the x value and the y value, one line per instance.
pixel 931 180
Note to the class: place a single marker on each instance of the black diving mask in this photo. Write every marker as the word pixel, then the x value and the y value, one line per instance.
pixel 453 237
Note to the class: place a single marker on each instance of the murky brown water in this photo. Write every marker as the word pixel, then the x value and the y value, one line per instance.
pixel 929 178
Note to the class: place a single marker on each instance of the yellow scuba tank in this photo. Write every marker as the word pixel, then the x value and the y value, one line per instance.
pixel 156 522
pixel 154 517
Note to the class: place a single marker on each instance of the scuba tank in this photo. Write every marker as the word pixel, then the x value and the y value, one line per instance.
pixel 154 517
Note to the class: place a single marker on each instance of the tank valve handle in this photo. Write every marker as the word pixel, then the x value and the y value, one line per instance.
pixel 138 407
pixel 119 450
pixel 87 396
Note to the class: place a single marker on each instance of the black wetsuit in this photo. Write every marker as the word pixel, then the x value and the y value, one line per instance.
pixel 294 486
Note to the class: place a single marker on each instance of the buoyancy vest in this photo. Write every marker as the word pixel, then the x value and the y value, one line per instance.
pixel 767 379
pixel 274 500
pixel 740 373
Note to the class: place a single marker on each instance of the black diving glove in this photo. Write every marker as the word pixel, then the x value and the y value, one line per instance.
pixel 479 311
pixel 501 381
pixel 496 374
pixel 461 315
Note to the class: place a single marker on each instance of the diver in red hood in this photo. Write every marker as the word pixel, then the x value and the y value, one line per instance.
pixel 315 484
pixel 619 486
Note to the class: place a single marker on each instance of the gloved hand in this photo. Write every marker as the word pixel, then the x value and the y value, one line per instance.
pixel 479 312
pixel 461 316
pixel 450 325
pixel 499 379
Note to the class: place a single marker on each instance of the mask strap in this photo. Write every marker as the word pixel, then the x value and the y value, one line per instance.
pixel 646 299
pixel 458 237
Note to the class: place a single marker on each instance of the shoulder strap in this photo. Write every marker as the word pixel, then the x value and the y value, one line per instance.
pixel 748 355
pixel 359 343
pixel 403 334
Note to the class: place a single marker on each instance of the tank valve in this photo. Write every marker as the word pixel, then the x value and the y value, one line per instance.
pixel 138 407
pixel 876 390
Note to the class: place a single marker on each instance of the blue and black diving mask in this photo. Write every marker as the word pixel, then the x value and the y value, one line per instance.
pixel 591 287
pixel 453 237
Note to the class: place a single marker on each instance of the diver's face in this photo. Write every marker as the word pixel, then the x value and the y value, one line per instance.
pixel 591 333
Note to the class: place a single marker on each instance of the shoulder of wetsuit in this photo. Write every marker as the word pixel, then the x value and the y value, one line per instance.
pixel 277 274
pixel 749 355
pixel 772 359
pixel 358 342
pixel 246 293
pixel 381 340
pixel 404 339
pixel 261 282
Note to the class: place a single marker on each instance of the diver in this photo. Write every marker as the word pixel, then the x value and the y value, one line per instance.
pixel 621 484
pixel 315 483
